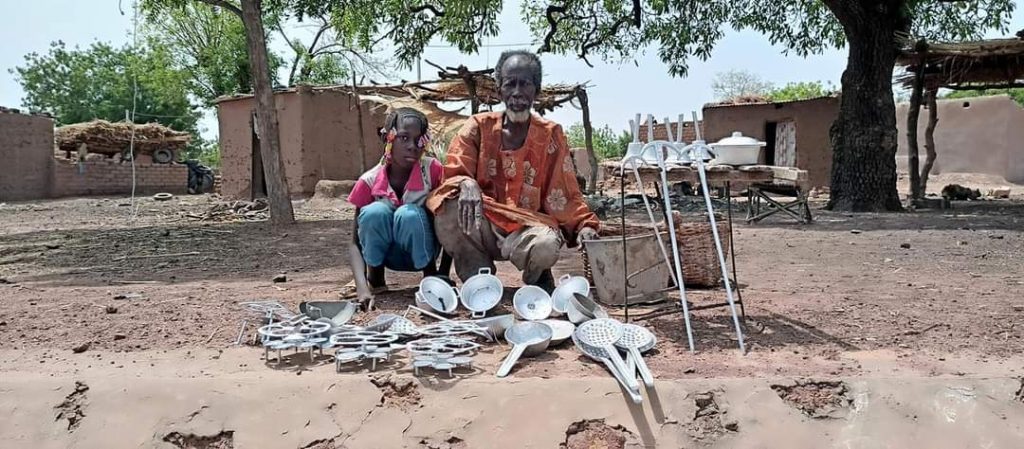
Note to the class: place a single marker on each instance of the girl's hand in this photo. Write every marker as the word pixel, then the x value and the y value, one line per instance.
pixel 470 207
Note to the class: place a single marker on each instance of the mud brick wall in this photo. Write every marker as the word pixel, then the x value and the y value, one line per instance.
pixel 26 153
pixel 106 177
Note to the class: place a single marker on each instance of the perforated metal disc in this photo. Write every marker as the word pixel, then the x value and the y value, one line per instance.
pixel 634 336
pixel 589 351
pixel 599 332
pixel 448 329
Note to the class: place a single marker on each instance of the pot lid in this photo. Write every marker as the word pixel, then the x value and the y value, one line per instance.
pixel 737 139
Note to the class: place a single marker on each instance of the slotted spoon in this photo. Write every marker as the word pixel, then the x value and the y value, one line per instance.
pixel 634 338
pixel 604 333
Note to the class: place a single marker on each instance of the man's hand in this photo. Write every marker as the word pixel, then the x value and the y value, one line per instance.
pixel 470 207
pixel 586 234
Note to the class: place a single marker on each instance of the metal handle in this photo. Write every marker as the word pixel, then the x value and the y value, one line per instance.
pixel 633 394
pixel 510 360
pixel 641 365
pixel 616 359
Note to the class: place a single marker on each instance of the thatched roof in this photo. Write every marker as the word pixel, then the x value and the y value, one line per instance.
pixel 965 65
pixel 101 136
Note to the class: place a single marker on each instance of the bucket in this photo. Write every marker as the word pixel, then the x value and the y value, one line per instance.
pixel 648 274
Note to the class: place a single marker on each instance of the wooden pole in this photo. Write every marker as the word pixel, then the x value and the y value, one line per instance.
pixel 912 118
pixel 929 138
pixel 281 212
pixel 359 121
pixel 588 137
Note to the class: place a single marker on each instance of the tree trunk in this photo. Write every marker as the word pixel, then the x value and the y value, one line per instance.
pixel 281 212
pixel 588 138
pixel 929 139
pixel 863 136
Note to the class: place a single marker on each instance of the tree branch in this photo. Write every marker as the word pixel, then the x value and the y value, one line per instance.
pixel 552 26
pixel 430 8
pixel 224 4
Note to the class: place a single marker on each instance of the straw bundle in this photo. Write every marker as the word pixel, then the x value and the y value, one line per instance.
pixel 103 137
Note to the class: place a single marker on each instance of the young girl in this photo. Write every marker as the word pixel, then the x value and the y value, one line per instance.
pixel 392 228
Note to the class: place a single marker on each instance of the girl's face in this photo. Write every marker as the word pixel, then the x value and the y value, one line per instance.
pixel 405 149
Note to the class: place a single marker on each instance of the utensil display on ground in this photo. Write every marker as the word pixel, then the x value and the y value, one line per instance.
pixel 527 338
pixel 601 355
pixel 603 333
pixel 634 338
pixel 481 292
pixel 532 303
pixel 560 331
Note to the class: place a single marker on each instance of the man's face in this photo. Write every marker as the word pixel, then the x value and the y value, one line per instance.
pixel 517 89
pixel 405 150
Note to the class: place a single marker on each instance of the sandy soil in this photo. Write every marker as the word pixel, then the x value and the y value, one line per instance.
pixel 154 295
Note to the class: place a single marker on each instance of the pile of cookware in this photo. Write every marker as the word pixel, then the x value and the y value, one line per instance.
pixel 540 321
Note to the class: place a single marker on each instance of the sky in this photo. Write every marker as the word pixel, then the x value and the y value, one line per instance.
pixel 617 92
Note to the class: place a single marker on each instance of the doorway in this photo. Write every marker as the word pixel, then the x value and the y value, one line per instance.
pixel 258 184
pixel 769 140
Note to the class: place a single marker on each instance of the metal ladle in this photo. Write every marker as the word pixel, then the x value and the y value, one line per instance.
pixel 601 355
pixel 527 338
pixel 634 339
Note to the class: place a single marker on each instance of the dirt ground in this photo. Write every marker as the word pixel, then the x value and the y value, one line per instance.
pixel 941 290
pixel 92 288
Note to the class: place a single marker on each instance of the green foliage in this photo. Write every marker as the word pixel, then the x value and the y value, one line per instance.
pixel 800 91
pixel 78 85
pixel 207 153
pixel 1016 94
pixel 207 43
pixel 607 145
pixel 681 29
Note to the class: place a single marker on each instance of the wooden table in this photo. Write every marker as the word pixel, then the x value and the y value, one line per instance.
pixel 718 175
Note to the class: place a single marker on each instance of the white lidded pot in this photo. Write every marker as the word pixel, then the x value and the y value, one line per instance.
pixel 737 150
pixel 482 292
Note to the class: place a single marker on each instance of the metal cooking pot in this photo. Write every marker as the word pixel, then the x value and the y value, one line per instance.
pixel 438 295
pixel 482 292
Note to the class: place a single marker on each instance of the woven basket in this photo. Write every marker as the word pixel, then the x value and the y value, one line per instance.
pixel 696 244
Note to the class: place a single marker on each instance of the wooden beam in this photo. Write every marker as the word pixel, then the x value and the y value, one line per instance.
pixel 929 139
pixel 912 118
pixel 588 137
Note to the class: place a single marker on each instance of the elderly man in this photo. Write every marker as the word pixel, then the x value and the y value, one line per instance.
pixel 510 190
